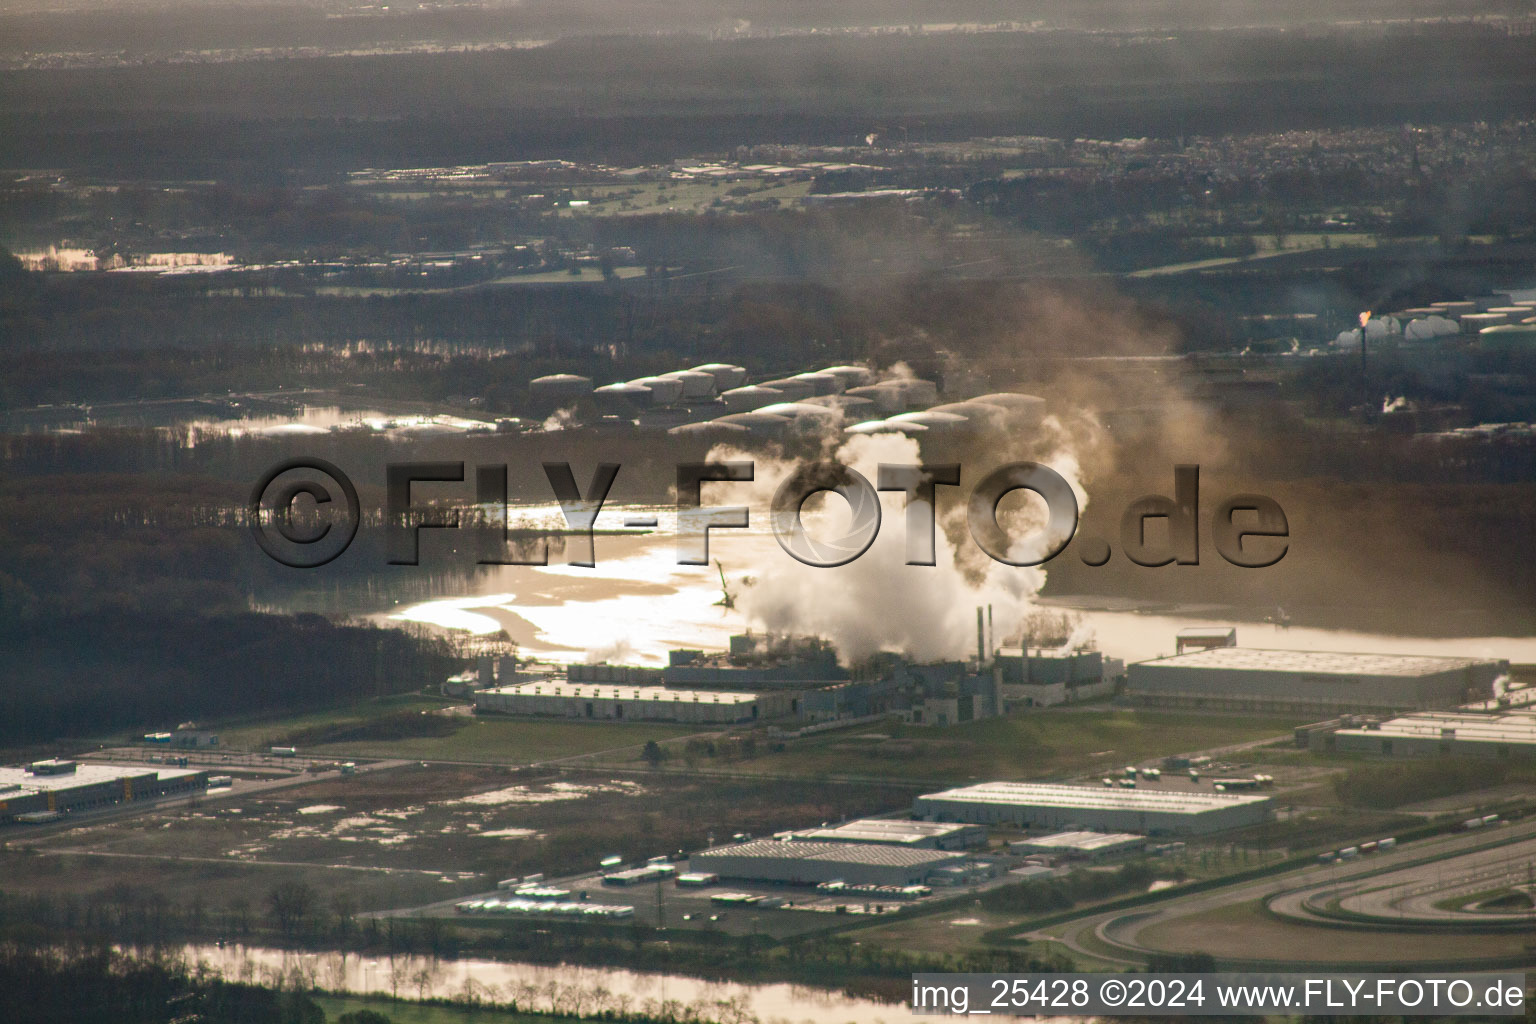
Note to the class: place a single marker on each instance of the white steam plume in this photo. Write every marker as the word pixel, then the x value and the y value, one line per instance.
pixel 878 602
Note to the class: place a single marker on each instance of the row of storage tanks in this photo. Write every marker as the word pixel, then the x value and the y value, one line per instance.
pixel 681 387
pixel 1470 316
pixel 805 402
pixel 901 406
pixel 1507 320
pixel 698 385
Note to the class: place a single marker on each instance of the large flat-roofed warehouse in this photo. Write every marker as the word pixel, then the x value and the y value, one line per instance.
pixel 62 786
pixel 915 835
pixel 1430 734
pixel 640 703
pixel 1040 805
pixel 805 863
pixel 1246 678
pixel 1090 846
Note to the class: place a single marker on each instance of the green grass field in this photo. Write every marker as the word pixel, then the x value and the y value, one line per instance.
pixel 1034 745
pixel 513 741
pixel 258 734
pixel 496 740
pixel 403 1012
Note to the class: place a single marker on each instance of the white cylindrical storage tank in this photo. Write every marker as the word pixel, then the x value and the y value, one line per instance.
pixel 1430 327
pixel 887 427
pixel 822 383
pixel 727 375
pixel 1418 311
pixel 1022 408
pixel 851 376
pixel 1454 308
pixel 888 397
pixel 559 387
pixel 852 406
pixel 619 399
pixel 1471 323
pixel 753 396
pixel 916 391
pixel 707 429
pixel 979 414
pixel 936 422
pixel 793 389
pixel 801 411
pixel 697 386
pixel 757 423
pixel 664 390
pixel 1509 336
pixel 1514 313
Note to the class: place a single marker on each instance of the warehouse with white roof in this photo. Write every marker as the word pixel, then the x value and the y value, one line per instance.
pixel 809 863
pixel 1043 805
pixel 924 835
pixel 53 787
pixel 1250 679
pixel 551 698
pixel 1512 734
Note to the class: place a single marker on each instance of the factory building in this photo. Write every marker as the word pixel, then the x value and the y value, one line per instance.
pixel 1512 734
pixel 63 786
pixel 637 703
pixel 913 835
pixel 757 662
pixel 810 863
pixel 1041 677
pixel 943 693
pixel 848 700
pixel 1094 847
pixel 1147 812
pixel 1203 638
pixel 1243 678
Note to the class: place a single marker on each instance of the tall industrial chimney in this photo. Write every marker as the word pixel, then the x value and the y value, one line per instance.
pixel 981 639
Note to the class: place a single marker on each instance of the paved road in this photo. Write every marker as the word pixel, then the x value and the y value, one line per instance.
pixel 1120 929
pixel 1410 894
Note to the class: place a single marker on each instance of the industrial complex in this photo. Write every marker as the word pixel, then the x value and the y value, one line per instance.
pixel 1148 812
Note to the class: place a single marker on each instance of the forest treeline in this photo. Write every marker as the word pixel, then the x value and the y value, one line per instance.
pixel 43 985
pixel 631 100
pixel 114 621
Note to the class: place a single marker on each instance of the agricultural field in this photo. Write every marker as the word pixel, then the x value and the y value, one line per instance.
pixel 413 831
pixel 1038 745
pixel 407 727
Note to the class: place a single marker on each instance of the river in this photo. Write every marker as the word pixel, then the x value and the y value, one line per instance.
pixel 599 987
pixel 637 603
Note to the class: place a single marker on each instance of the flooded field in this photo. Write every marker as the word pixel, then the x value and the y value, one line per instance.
pixel 460 826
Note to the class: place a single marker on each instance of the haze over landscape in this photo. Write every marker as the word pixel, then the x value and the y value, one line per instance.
pixel 312 315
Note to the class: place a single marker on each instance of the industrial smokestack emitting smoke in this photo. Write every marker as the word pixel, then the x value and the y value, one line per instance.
pixel 1365 318
pixel 878 602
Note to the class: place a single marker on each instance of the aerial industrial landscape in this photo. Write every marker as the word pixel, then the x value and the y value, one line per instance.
pixel 522 511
